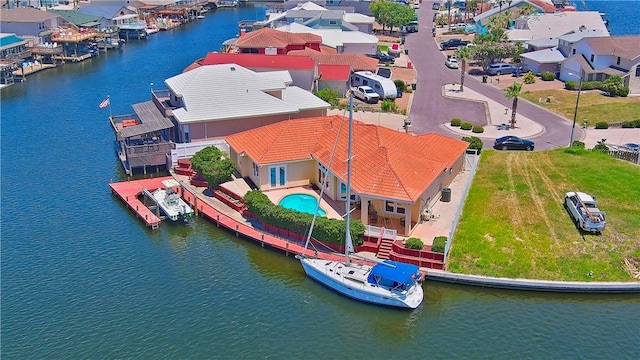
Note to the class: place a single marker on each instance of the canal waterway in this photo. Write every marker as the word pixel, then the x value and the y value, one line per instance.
pixel 81 277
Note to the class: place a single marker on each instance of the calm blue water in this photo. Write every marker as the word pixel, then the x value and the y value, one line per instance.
pixel 623 15
pixel 82 278
pixel 303 203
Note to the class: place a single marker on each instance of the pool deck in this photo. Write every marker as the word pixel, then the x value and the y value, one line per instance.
pixel 326 204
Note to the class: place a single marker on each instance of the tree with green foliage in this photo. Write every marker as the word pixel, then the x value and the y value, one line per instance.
pixel 329 95
pixel 213 164
pixel 613 86
pixel 474 142
pixel 391 14
pixel 464 54
pixel 527 9
pixel 514 91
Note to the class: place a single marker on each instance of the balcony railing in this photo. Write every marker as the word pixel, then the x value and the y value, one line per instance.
pixel 161 99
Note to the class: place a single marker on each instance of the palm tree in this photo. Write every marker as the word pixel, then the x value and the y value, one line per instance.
pixel 527 9
pixel 464 54
pixel 513 92
pixel 449 14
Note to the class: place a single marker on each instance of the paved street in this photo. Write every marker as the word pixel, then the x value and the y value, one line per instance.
pixel 430 110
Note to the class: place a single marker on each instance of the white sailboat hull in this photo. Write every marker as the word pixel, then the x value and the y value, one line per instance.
pixel 351 281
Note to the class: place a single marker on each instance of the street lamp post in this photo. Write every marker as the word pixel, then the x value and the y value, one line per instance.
pixel 575 113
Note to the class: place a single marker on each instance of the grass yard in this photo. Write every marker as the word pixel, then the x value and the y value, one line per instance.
pixel 593 105
pixel 514 225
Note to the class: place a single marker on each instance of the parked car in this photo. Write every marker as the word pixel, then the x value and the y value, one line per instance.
pixel 451 62
pixel 366 94
pixel 416 5
pixel 383 57
pixel 632 146
pixel 453 44
pixel 411 27
pixel 513 143
pixel 384 72
pixel 500 68
pixel 436 6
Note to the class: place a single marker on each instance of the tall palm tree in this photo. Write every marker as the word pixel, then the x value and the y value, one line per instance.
pixel 514 91
pixel 449 14
pixel 464 54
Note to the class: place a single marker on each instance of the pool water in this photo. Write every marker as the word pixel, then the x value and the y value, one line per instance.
pixel 301 202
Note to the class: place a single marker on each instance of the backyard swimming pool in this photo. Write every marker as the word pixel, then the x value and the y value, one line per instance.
pixel 301 202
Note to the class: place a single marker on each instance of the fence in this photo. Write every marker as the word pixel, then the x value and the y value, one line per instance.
pixel 374 232
pixel 472 160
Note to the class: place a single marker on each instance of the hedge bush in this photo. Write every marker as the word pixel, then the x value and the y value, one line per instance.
pixel 586 85
pixel 414 243
pixel 388 105
pixel 577 144
pixel 477 129
pixel 456 122
pixel 401 85
pixel 637 123
pixel 325 229
pixel 628 124
pixel 474 141
pixel 439 244
pixel 601 148
pixel 548 76
pixel 466 126
pixel 602 125
pixel 529 78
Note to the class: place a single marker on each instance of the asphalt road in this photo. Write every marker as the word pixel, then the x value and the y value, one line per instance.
pixel 430 110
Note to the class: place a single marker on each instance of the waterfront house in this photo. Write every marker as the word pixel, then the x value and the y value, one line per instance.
pixel 538 26
pixel 356 62
pixel 597 58
pixel 316 16
pixel 124 18
pixel 82 20
pixel 355 42
pixel 272 42
pixel 302 69
pixel 352 6
pixel 30 23
pixel 210 102
pixel 13 51
pixel 395 176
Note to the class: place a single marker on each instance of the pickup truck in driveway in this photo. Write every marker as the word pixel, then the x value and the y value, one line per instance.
pixel 453 44
pixel 584 211
pixel 366 94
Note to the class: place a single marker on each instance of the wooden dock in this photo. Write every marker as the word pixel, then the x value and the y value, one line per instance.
pixel 128 192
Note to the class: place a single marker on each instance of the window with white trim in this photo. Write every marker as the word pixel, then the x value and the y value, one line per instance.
pixel 256 170
pixel 343 193
pixel 394 207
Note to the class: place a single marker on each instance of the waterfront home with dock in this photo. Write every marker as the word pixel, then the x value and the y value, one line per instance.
pixel 396 176
pixel 206 104
pixel 13 51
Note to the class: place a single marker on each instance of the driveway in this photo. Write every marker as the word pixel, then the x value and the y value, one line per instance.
pixel 430 110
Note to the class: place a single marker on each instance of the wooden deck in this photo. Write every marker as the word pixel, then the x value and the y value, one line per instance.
pixel 128 192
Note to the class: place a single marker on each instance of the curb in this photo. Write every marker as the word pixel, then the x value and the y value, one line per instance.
pixel 535 285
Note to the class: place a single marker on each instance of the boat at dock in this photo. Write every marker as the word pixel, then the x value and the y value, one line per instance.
pixel 172 204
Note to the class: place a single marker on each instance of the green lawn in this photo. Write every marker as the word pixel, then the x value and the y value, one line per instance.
pixel 514 225
pixel 593 105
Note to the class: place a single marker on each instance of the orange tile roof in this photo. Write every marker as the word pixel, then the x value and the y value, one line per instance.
pixel 268 37
pixel 386 163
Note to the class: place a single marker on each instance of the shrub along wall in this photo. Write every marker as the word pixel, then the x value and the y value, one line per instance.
pixel 326 230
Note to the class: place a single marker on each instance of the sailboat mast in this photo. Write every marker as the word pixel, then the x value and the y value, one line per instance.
pixel 348 244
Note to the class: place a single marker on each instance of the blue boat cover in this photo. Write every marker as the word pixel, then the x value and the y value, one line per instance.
pixel 392 271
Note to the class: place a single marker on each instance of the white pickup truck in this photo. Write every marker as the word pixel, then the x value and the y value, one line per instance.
pixel 583 208
pixel 366 94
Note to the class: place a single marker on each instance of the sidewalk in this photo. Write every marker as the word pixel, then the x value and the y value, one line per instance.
pixel 498 117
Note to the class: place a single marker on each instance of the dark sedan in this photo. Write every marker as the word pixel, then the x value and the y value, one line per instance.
pixel 383 57
pixel 513 143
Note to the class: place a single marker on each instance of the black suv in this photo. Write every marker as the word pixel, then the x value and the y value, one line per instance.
pixel 453 44
pixel 383 57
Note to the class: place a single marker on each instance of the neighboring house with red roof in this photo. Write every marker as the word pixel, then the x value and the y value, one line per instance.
pixel 270 41
pixel 597 58
pixel 357 62
pixel 335 77
pixel 395 174
pixel 301 68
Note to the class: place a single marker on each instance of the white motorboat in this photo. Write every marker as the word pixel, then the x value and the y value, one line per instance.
pixel 172 204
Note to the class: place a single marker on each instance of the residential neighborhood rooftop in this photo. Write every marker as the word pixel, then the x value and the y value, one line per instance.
pixel 285 62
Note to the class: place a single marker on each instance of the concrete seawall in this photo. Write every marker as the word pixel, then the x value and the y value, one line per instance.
pixel 536 285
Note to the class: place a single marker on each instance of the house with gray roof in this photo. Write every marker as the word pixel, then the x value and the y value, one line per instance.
pixel 543 26
pixel 210 102
pixel 108 11
pixel 549 53
pixel 354 42
pixel 317 17
pixel 597 58
pixel 30 22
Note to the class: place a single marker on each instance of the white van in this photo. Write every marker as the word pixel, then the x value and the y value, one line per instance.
pixel 386 88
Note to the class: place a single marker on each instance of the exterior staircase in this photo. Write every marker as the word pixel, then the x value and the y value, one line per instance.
pixel 385 248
